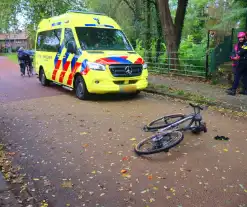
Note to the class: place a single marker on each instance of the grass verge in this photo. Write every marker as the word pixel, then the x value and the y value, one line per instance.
pixel 198 99
pixel 178 93
pixel 10 56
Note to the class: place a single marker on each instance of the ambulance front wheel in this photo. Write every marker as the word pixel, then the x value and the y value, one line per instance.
pixel 81 88
pixel 42 78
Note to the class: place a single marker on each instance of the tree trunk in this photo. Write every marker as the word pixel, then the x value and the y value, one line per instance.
pixel 148 31
pixel 159 30
pixel 137 18
pixel 169 32
pixel 172 31
pixel 179 20
pixel 172 52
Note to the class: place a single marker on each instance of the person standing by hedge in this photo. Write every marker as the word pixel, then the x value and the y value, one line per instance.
pixel 240 65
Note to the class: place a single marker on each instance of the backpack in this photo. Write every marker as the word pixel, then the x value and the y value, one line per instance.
pixel 21 55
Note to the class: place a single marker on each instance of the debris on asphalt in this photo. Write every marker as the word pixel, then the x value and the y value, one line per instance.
pixel 221 138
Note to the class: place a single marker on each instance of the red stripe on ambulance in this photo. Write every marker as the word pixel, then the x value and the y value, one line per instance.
pixel 71 75
pixel 56 69
pixel 66 66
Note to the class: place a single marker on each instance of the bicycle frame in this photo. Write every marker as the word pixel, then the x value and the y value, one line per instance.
pixel 194 117
pixel 163 140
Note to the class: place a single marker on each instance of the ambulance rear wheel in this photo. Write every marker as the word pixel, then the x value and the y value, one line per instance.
pixel 42 78
pixel 81 88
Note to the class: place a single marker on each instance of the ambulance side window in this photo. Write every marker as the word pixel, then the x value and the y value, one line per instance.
pixel 49 41
pixel 68 36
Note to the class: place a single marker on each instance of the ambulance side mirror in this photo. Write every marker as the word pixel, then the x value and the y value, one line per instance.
pixel 71 47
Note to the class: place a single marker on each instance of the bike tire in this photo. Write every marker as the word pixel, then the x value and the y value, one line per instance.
pixel 169 143
pixel 28 71
pixel 163 122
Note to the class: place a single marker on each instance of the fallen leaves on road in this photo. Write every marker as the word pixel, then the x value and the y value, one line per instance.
pixel 11 153
pixel 123 171
pixel 126 175
pixel 85 145
pixel 155 188
pixel 241 186
pixel 44 204
pixel 10 173
pixel 106 156
pixel 67 184
pixel 144 191
pixel 126 158
pixel 133 139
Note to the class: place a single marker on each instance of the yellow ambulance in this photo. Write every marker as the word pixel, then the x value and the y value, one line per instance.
pixel 88 53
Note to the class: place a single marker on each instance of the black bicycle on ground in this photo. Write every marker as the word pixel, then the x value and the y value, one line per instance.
pixel 170 131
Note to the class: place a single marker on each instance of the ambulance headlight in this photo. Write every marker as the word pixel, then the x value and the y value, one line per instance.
pixel 96 66
pixel 145 66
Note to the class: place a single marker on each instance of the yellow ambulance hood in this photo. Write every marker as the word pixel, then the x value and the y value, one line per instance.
pixel 113 57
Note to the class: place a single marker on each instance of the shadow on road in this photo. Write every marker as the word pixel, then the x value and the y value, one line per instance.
pixel 100 97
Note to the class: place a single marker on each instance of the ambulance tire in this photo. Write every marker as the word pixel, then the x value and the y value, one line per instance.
pixel 42 78
pixel 135 94
pixel 81 88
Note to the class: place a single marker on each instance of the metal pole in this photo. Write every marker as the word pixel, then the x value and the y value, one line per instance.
pixel 232 39
pixel 207 55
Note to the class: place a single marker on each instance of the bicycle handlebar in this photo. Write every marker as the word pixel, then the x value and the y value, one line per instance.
pixel 196 106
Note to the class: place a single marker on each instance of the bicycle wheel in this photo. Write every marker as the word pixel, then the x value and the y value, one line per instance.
pixel 159 142
pixel 28 71
pixel 163 122
pixel 31 70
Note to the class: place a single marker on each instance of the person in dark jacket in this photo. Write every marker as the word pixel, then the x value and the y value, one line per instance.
pixel 23 59
pixel 241 66
pixel 234 53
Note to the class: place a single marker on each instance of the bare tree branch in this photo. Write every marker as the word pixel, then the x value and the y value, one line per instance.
pixel 153 2
pixel 130 6
pixel 117 5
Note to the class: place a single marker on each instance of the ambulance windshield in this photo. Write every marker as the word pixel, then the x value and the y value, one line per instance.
pixel 92 38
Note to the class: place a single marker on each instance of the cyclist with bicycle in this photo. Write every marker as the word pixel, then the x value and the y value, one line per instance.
pixel 24 59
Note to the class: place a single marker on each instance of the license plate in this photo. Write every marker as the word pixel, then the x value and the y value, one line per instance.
pixel 127 89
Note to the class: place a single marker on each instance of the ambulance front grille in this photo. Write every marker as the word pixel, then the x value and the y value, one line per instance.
pixel 126 70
